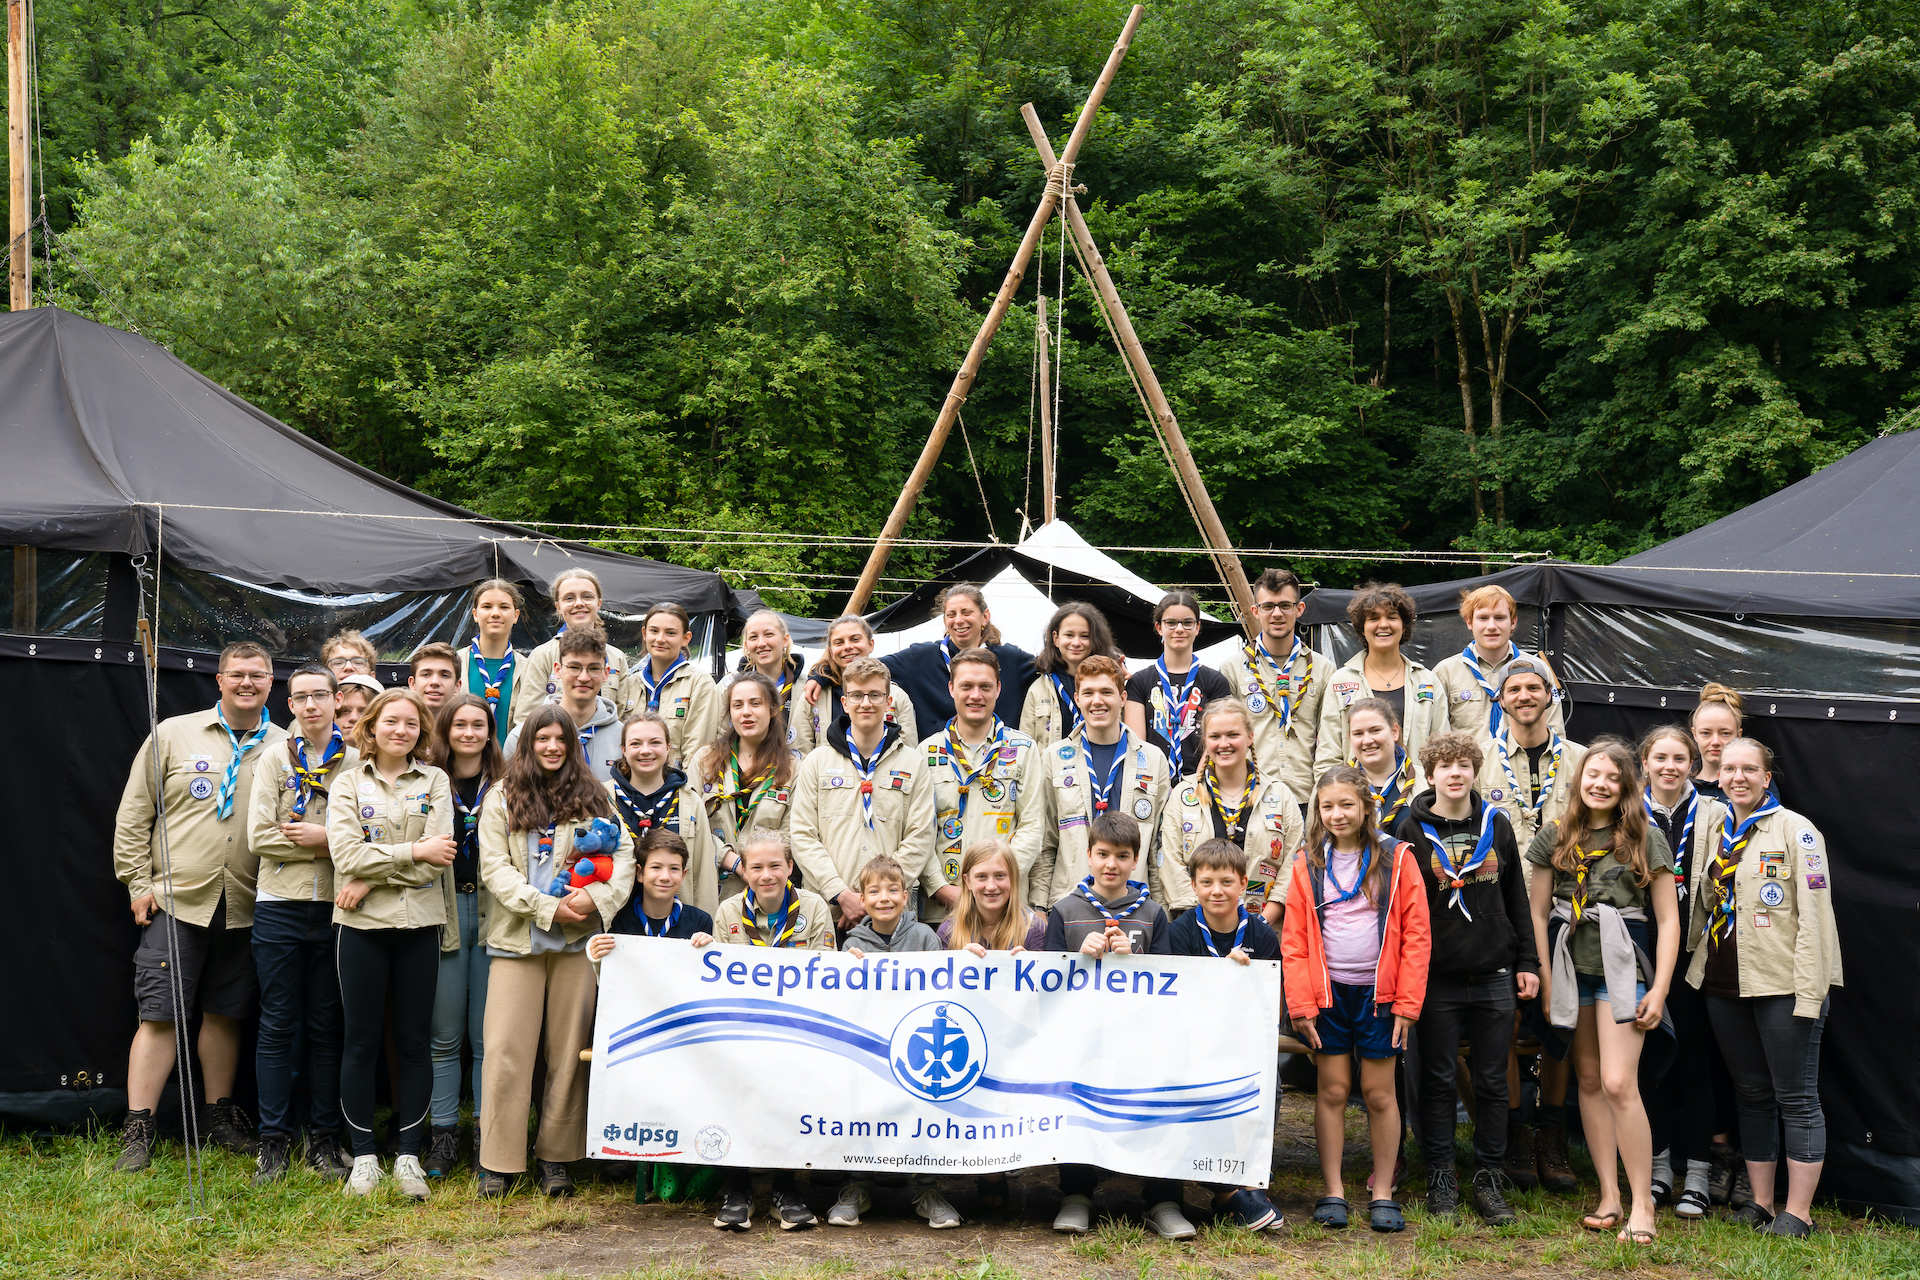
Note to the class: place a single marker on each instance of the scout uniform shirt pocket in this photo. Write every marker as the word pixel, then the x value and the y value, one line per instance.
pixel 199 776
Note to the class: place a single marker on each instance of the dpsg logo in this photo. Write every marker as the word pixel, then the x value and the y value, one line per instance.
pixel 939 1051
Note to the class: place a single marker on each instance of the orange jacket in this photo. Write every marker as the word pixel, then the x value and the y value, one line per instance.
pixel 1400 976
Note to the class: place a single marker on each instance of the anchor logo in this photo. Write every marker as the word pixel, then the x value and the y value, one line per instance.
pixel 939 1051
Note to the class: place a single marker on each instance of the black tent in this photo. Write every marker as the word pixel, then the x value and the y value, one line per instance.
pixel 1809 603
pixel 129 474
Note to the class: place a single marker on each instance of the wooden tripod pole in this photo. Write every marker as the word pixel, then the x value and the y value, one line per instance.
pixel 970 367
pixel 1225 558
pixel 1046 411
pixel 19 277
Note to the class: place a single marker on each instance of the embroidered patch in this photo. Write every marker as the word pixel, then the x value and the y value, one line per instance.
pixel 1806 839
pixel 781 797
pixel 1143 808
pixel 1276 822
pixel 950 827
pixel 366 811
pixel 1346 686
pixel 899 779
pixel 707 790
pixel 1760 920
pixel 1497 795
pixel 1469 695
pixel 1813 862
pixel 1423 694
pixel 293 782
pixel 1189 796
pixel 837 780
pixel 1008 754
pixel 1066 779
pixel 1077 820
pixel 202 764
pixel 552 687
pixel 1003 825
pixel 1772 894
pixel 366 788
pixel 200 788
pixel 994 791
pixel 799 922
pixel 1816 882
pixel 1066 751
pixel 1186 826
pixel 733 928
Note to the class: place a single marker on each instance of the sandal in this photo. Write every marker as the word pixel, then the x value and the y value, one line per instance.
pixel 1385 1215
pixel 1330 1211
pixel 1599 1222
pixel 1691 1205
pixel 1635 1235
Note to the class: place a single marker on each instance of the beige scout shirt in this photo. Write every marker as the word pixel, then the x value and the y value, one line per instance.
pixel 209 855
pixel 519 906
pixel 1285 750
pixel 1141 792
pixel 289 871
pixel 689 703
pixel 831 841
pixel 1275 833
pixel 1008 801
pixel 1424 718
pixel 1042 718
pixel 533 680
pixel 1507 779
pixel 372 825
pixel 1468 703
pixel 773 810
pixel 1784 934
pixel 812 721
pixel 812 923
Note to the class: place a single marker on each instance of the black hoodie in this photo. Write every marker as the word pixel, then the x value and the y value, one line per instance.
pixel 1500 935
pixel 836 736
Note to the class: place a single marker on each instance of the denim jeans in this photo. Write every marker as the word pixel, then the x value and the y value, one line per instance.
pixel 1775 1061
pixel 459 1010
pixel 1480 1011
pixel 299 1004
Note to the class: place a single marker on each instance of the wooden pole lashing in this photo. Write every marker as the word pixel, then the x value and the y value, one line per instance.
pixel 1044 334
pixel 19 277
pixel 970 367
pixel 1225 558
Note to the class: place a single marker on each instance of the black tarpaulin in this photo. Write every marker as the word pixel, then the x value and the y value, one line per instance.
pixel 102 426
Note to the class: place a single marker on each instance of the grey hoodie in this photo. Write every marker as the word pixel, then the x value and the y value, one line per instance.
pixel 603 748
pixel 908 935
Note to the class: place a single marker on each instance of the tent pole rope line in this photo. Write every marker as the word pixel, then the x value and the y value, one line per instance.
pixel 970 367
pixel 176 984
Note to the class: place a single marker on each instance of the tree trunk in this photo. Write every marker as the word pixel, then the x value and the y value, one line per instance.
pixel 1466 400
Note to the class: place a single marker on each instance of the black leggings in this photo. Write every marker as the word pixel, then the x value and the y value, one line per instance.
pixel 1692 1100
pixel 367 959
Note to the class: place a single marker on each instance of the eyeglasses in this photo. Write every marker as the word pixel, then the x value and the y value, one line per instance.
pixel 1180 624
pixel 249 677
pixel 348 664
pixel 863 697
pixel 1277 606
pixel 301 699
pixel 575 669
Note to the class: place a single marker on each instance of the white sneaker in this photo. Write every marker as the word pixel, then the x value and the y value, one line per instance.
pixel 853 1202
pixel 411 1177
pixel 933 1206
pixel 365 1177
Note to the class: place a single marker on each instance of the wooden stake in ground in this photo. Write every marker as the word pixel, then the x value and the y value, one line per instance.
pixel 970 367
pixel 1046 412
pixel 1225 558
pixel 19 279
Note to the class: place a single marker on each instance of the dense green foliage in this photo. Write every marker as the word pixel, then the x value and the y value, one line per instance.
pixel 1564 275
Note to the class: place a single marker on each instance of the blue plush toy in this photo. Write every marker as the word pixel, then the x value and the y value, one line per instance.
pixel 593 847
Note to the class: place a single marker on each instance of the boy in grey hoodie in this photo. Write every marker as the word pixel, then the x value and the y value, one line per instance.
pixel 889 926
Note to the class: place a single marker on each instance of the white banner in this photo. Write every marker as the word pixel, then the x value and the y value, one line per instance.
pixel 934 1062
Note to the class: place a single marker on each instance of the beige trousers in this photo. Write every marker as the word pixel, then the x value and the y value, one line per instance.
pixel 536 1006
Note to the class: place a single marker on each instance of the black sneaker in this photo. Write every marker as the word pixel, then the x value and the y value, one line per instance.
pixel 492 1186
pixel 443 1151
pixel 137 1137
pixel 326 1156
pixel 271 1164
pixel 792 1212
pixel 1443 1193
pixel 736 1210
pixel 1720 1177
pixel 223 1124
pixel 1490 1198
pixel 1740 1195
pixel 554 1178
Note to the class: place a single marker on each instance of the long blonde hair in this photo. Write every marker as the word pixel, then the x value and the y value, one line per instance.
pixel 968 927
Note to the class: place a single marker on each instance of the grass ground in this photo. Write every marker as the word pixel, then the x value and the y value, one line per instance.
pixel 64 1213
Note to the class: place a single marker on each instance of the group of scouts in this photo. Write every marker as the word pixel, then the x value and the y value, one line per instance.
pixel 440 867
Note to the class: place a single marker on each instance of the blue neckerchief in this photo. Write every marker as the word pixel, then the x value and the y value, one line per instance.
pixel 646 921
pixel 1206 931
pixel 1683 846
pixel 866 769
pixel 1457 875
pixel 1344 892
pixel 1103 792
pixel 965 771
pixel 1733 843
pixel 780 926
pixel 653 686
pixel 1140 895
pixel 1068 707
pixel 223 808
pixel 470 818
pixel 495 682
pixel 641 817
pixel 1283 700
pixel 1496 718
pixel 1176 723
pixel 311 776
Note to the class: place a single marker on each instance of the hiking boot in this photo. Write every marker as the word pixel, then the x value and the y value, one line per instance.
pixel 1490 1199
pixel 443 1151
pixel 791 1211
pixel 1550 1157
pixel 554 1178
pixel 1520 1159
pixel 854 1201
pixel 137 1138
pixel 271 1164
pixel 223 1124
pixel 1725 1159
pixel 736 1210
pixel 1740 1195
pixel 489 1185
pixel 933 1206
pixel 411 1177
pixel 1443 1193
pixel 326 1156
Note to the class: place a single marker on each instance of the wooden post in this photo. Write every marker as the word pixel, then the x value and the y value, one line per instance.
pixel 1046 411
pixel 970 367
pixel 19 277
pixel 1211 530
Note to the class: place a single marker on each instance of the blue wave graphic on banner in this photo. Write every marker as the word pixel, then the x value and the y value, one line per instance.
pixel 734 1020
